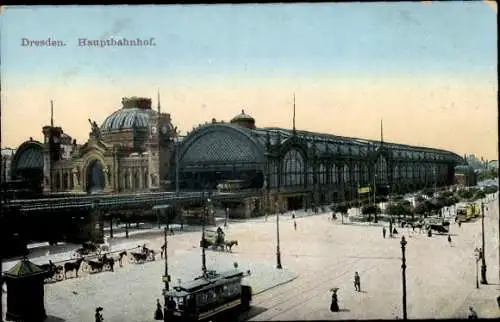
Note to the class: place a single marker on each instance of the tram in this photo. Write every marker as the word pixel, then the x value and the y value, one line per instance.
pixel 210 297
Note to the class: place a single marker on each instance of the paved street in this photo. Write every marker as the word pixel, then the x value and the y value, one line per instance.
pixel 440 277
pixel 320 255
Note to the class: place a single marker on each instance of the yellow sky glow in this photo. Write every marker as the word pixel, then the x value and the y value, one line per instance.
pixel 454 115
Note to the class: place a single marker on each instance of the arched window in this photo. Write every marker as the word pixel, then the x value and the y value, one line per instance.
pixel 395 173
pixel 273 173
pixel 356 174
pixel 345 174
pixel 145 178
pixel 293 169
pixel 124 180
pixel 366 174
pixel 381 170
pixel 334 174
pixel 322 174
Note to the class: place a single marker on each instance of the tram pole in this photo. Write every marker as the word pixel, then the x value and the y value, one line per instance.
pixel 203 257
pixel 483 257
pixel 166 277
pixel 278 254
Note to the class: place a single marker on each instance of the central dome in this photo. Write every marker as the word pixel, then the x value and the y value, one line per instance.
pixel 134 114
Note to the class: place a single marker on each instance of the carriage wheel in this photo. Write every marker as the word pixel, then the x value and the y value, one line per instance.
pixel 47 280
pixel 85 267
pixel 107 267
pixel 59 276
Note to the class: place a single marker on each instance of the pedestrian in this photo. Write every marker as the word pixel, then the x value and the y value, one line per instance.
pixel 357 282
pixel 384 231
pixel 449 239
pixel 159 311
pixel 98 314
pixel 334 306
pixel 459 224
pixel 295 225
pixel 472 314
pixel 293 214
pixel 498 301
pixel 162 249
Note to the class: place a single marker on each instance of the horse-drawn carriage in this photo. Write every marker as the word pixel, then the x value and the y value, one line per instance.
pixel 103 263
pixel 216 240
pixel 146 254
pixel 52 272
pixel 90 248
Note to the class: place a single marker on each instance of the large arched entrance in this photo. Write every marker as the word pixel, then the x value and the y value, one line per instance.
pixel 95 177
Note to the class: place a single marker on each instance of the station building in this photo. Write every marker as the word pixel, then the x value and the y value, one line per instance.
pixel 137 148
pixel 295 169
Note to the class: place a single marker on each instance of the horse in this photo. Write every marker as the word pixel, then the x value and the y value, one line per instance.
pixel 72 266
pixel 95 266
pixel 230 243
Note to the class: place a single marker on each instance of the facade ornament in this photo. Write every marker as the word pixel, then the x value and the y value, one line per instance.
pixel 76 175
pixel 95 131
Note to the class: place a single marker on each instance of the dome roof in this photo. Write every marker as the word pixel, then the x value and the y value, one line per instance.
pixel 242 117
pixel 134 114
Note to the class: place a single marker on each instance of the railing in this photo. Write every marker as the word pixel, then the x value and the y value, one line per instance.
pixel 122 201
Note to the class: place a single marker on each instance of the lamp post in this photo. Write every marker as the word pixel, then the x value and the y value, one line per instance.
pixel 227 215
pixel 278 254
pixel 166 277
pixel 477 255
pixel 483 253
pixel 203 257
pixel 403 266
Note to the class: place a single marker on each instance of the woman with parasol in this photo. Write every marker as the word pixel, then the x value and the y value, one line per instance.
pixel 334 306
pixel 98 314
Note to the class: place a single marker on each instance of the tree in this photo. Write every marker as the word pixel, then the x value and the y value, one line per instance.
pixel 422 208
pixel 342 209
pixel 480 195
pixel 371 209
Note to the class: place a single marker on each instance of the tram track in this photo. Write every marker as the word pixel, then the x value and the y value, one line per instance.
pixel 303 282
pixel 307 287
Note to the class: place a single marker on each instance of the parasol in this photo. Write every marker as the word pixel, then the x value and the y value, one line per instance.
pixel 334 289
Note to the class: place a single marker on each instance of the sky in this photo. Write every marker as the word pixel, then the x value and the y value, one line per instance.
pixel 429 70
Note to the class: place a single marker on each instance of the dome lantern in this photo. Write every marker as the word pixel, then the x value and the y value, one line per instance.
pixel 244 120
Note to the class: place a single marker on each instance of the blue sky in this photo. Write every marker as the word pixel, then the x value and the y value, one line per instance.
pixel 442 39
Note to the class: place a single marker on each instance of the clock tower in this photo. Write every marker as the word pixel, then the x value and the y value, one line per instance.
pixel 160 144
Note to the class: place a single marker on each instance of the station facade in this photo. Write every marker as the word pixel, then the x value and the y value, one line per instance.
pixel 137 149
pixel 300 169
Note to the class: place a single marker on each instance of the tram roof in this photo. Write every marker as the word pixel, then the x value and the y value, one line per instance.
pixel 201 283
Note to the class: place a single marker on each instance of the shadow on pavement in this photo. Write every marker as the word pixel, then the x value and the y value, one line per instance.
pixel 253 312
pixel 344 310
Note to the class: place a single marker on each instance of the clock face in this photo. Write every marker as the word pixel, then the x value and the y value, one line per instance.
pixel 164 129
pixel 153 130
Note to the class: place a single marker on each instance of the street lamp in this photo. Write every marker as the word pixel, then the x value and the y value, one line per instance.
pixel 166 277
pixel 483 253
pixel 278 254
pixel 477 255
pixel 227 215
pixel 203 257
pixel 403 266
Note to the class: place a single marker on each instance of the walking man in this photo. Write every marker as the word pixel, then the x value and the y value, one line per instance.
pixel 449 239
pixel 295 225
pixel 384 231
pixel 357 282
